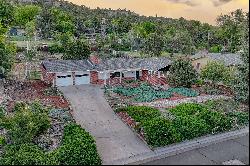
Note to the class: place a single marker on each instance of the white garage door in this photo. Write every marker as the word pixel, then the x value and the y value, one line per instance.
pixel 82 78
pixel 64 80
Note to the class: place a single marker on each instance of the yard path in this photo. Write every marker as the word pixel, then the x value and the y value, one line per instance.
pixel 171 103
pixel 114 139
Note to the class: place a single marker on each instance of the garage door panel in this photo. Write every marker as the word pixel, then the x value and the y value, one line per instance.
pixel 64 80
pixel 82 78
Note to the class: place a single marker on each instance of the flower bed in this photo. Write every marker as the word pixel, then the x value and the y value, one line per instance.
pixel 188 121
pixel 41 136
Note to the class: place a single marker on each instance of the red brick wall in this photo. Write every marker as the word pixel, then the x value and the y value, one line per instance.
pixel 94 59
pixel 47 77
pixel 93 77
pixel 145 75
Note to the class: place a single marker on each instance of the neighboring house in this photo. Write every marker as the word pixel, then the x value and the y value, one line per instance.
pixel 201 59
pixel 104 71
pixel 15 31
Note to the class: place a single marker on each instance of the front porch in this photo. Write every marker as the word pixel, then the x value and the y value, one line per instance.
pixel 119 76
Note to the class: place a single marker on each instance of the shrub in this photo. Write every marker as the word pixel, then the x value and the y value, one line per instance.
pixel 182 74
pixel 187 109
pixel 242 118
pixel 142 113
pixel 190 127
pixel 2 140
pixel 27 122
pixel 160 132
pixel 216 72
pixel 24 154
pixel 78 148
pixel 217 121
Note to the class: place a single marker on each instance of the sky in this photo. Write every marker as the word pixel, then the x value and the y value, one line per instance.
pixel 203 10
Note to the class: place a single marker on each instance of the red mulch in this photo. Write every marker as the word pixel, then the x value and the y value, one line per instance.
pixel 33 90
pixel 127 119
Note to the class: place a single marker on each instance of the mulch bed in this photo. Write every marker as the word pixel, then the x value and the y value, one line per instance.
pixel 29 91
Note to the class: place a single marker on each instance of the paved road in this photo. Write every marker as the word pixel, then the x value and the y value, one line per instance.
pixel 91 110
pixel 216 154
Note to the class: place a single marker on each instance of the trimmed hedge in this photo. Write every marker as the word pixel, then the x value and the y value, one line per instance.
pixel 141 113
pixel 78 148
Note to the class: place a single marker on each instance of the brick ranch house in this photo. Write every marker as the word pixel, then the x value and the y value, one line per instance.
pixel 104 71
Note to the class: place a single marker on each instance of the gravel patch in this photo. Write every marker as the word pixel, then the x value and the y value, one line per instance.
pixel 172 103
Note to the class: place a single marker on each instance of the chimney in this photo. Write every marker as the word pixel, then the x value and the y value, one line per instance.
pixel 94 59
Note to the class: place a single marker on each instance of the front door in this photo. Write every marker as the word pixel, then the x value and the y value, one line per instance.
pixel 137 75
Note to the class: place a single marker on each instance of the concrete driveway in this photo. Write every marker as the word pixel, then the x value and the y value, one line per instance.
pixel 114 139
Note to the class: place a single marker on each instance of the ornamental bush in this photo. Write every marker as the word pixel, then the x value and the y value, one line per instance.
pixel 23 154
pixel 187 109
pixel 26 123
pixel 160 132
pixel 217 121
pixel 182 74
pixel 217 72
pixel 78 148
pixel 190 127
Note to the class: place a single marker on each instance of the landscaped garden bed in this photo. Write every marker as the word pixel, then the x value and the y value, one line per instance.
pixel 184 122
pixel 32 134
pixel 29 91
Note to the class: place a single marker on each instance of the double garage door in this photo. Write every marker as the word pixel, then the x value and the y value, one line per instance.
pixel 66 79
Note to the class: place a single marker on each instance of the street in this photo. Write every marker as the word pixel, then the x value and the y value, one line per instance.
pixel 216 154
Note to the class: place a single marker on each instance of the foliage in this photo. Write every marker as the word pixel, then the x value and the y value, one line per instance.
pixel 241 118
pixel 216 72
pixel 76 50
pixel 78 148
pixel 27 122
pixel 240 84
pixel 216 49
pixel 223 105
pixel 141 113
pixel 2 141
pixel 56 48
pixel 182 73
pixel 26 14
pixel 145 93
pixel 24 154
pixel 216 121
pixel 190 127
pixel 160 132
pixel 60 114
pixel 7 55
pixel 6 15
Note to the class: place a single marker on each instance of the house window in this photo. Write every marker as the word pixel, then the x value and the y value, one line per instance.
pixel 115 74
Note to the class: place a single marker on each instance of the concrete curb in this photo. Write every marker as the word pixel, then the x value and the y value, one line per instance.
pixel 171 150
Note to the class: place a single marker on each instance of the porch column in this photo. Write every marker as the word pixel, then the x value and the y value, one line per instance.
pixel 105 78
pixel 120 77
pixel 135 75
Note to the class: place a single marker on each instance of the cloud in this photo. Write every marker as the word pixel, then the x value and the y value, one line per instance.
pixel 220 2
pixel 186 2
